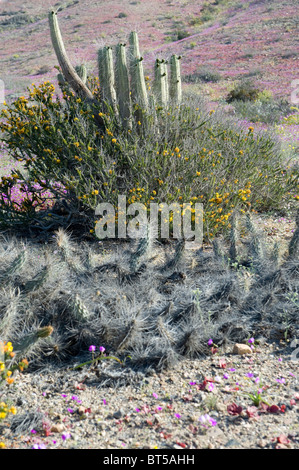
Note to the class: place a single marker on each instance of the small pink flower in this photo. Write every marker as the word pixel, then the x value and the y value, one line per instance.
pixel 102 349
pixel 92 348
pixel 155 395
pixel 281 381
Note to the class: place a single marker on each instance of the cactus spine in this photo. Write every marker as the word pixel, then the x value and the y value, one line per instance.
pixel 31 339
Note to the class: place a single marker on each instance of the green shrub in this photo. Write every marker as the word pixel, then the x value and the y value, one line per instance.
pixel 181 34
pixel 204 74
pixel 264 109
pixel 182 155
pixel 243 91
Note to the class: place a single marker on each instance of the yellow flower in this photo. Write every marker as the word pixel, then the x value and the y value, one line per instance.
pixel 114 141
pixel 12 410
pixel 177 150
pixel 2 445
pixel 198 173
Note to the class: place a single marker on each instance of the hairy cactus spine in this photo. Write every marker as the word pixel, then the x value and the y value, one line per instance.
pixel 294 243
pixel 29 341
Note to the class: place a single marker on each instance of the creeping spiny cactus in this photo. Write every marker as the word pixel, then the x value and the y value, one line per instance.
pixel 294 243
pixel 29 341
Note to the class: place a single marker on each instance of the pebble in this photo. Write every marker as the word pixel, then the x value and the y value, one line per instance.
pixel 58 427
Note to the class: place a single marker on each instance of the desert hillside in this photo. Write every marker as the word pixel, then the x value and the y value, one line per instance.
pixel 231 39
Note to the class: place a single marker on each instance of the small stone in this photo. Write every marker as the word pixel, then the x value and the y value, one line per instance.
pixel 59 417
pixel 241 349
pixel 232 443
pixel 81 410
pixel 58 427
pixel 118 414
pixel 262 443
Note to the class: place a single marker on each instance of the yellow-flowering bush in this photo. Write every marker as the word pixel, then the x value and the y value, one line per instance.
pixel 182 155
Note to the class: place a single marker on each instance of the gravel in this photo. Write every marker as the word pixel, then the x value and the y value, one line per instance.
pixel 174 409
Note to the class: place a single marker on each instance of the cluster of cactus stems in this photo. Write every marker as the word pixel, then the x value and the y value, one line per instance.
pixel 122 79
pixel 149 304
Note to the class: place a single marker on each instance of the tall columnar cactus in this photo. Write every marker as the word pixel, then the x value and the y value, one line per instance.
pixel 161 84
pixel 68 71
pixel 175 92
pixel 138 92
pixel 123 85
pixel 106 76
